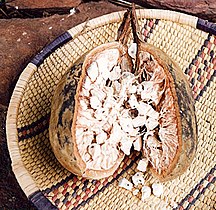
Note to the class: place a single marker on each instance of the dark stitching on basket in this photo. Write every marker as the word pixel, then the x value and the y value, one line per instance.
pixel 149 31
pixel 187 70
pixel 207 85
pixel 107 185
pixel 34 128
pixel 196 188
pixel 48 190
pixel 50 48
pixel 41 202
pixel 206 26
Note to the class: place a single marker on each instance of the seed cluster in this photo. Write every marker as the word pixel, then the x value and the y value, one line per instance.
pixel 119 110
pixel 140 184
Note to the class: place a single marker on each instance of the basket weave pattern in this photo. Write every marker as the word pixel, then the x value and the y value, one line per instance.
pixel 194 51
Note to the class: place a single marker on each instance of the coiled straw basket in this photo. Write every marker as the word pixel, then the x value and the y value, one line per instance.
pixel 190 41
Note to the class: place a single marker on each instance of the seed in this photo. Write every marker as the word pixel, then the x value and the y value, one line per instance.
pixel 132 50
pixel 95 102
pixel 137 144
pixel 125 184
pixel 138 178
pixel 146 192
pixel 157 189
pixel 93 71
pixel 142 165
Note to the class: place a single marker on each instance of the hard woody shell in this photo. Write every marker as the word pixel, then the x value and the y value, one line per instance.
pixel 65 103
pixel 183 102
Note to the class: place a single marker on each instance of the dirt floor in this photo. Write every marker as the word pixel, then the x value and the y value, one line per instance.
pixel 25 28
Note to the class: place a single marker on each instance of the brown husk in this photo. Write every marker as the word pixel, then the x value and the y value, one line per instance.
pixel 183 103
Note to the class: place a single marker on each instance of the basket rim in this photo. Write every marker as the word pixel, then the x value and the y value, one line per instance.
pixel 23 177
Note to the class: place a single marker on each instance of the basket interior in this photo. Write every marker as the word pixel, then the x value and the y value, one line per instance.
pixel 194 51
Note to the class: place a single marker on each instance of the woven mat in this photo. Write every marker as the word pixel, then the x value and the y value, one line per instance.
pixel 47 184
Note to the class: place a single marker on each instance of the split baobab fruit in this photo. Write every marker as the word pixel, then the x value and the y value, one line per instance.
pixel 119 98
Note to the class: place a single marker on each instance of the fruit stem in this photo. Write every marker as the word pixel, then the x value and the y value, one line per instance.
pixel 136 36
pixel 124 29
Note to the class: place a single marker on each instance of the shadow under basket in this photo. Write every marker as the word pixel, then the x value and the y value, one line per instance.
pixel 189 41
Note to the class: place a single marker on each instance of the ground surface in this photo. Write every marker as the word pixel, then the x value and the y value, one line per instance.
pixel 21 37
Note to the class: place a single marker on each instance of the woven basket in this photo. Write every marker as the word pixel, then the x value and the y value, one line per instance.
pixel 190 41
